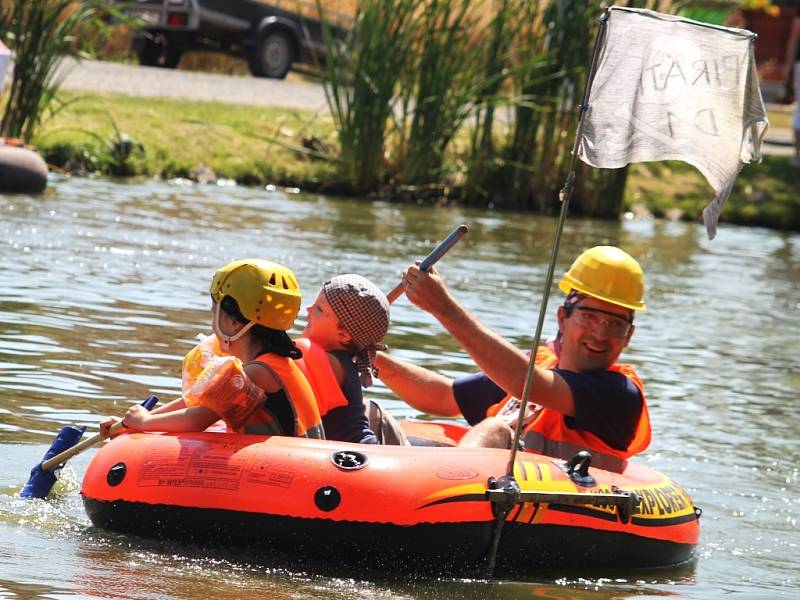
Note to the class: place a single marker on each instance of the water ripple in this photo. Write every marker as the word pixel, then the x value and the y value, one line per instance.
pixel 104 286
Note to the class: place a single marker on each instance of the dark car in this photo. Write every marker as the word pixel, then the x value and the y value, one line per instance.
pixel 270 38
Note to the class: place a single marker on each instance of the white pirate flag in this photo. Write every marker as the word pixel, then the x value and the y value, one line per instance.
pixel 672 88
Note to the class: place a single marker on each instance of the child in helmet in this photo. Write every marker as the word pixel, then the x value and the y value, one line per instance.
pixel 345 326
pixel 245 373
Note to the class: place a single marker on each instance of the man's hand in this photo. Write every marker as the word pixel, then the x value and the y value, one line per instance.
pixel 426 290
pixel 509 414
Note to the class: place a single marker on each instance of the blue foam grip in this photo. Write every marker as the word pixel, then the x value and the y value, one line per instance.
pixel 150 403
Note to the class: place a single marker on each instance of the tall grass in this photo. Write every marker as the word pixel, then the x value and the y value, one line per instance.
pixel 439 88
pixel 40 34
pixel 550 49
pixel 443 64
pixel 361 82
pixel 553 51
pixel 495 63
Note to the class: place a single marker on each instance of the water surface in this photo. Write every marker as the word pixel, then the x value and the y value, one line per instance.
pixel 103 287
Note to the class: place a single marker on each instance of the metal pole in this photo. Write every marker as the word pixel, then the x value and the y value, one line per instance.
pixel 564 197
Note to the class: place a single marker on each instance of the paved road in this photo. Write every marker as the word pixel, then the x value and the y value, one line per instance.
pixel 152 82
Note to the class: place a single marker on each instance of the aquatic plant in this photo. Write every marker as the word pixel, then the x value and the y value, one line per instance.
pixel 439 87
pixel 363 68
pixel 551 52
pixel 41 34
pixel 114 154
pixel 549 46
pixel 480 159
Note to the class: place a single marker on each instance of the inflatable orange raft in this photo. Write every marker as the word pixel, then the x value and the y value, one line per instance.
pixel 412 509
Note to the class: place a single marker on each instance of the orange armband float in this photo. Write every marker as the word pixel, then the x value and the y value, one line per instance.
pixel 220 384
pixel 197 359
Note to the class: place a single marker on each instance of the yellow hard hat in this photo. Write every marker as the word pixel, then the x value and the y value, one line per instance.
pixel 267 293
pixel 609 274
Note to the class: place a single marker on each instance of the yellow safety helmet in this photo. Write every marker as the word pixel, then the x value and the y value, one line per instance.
pixel 267 293
pixel 609 274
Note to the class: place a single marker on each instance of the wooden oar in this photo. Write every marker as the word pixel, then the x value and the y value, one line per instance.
pixel 65 446
pixel 438 252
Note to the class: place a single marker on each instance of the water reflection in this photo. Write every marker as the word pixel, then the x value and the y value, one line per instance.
pixel 104 286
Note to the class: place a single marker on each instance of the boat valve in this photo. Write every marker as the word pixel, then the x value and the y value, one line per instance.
pixel 577 468
pixel 503 493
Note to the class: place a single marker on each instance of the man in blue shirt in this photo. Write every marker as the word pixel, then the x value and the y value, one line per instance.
pixel 584 398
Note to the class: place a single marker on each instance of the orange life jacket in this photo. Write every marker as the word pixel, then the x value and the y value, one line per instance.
pixel 307 421
pixel 243 412
pixel 548 434
pixel 316 366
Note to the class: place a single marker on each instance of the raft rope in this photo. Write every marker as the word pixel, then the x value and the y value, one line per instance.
pixel 508 493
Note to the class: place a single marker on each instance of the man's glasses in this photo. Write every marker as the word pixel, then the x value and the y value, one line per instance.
pixel 591 318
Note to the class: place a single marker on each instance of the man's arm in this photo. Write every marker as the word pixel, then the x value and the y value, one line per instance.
pixel 427 391
pixel 504 363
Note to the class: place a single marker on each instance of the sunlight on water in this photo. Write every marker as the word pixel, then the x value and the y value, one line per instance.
pixel 103 288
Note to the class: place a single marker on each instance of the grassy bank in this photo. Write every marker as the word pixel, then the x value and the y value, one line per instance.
pixel 119 135
pixel 126 136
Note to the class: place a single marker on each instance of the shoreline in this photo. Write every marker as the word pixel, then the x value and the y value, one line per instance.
pixel 129 136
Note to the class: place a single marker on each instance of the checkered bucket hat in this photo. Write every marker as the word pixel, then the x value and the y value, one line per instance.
pixel 363 311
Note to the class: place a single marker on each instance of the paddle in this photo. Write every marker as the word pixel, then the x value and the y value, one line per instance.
pixel 65 446
pixel 438 252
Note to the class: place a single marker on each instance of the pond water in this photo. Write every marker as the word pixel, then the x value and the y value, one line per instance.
pixel 103 287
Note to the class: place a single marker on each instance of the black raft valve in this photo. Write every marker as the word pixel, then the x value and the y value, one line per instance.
pixel 577 468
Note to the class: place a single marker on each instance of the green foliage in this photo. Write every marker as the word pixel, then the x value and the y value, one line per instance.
pixel 262 147
pixel 439 88
pixel 553 53
pixel 449 66
pixel 481 158
pixel 767 194
pixel 40 34
pixel 362 73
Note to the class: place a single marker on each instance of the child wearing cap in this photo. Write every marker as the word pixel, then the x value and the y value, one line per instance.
pixel 345 327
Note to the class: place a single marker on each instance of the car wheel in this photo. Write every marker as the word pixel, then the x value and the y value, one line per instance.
pixel 156 51
pixel 273 55
pixel 171 58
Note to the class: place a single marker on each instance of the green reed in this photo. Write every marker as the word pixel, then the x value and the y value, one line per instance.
pixel 439 88
pixel 552 51
pixel 404 83
pixel 482 152
pixel 363 69
pixel 40 34
pixel 544 46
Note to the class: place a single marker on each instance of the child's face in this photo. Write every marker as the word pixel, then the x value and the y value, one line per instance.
pixel 323 327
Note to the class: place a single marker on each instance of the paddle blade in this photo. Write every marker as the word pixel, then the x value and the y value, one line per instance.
pixel 41 482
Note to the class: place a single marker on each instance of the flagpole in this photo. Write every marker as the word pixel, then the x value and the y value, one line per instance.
pixel 507 483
